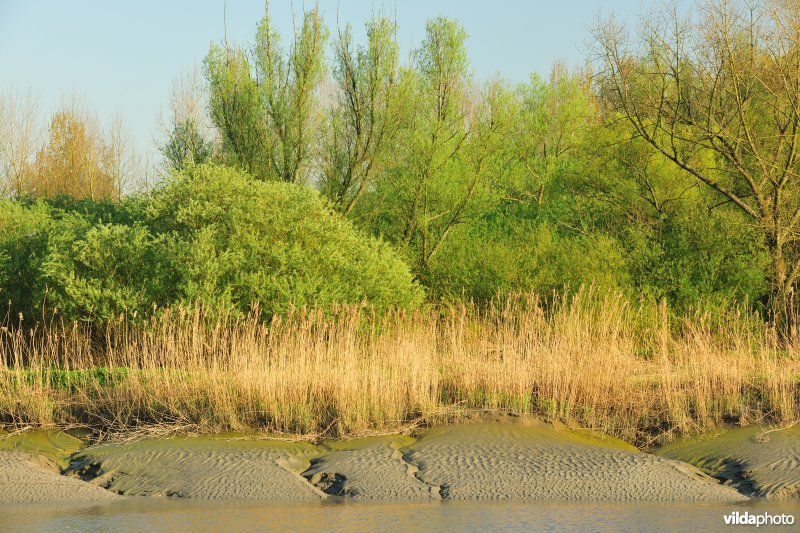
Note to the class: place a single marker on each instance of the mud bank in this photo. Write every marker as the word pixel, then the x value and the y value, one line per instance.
pixel 525 460
pixel 757 461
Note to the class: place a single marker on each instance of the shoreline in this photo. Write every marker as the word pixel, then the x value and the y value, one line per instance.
pixel 496 458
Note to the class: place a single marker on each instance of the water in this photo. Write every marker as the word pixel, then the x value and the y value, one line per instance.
pixel 155 514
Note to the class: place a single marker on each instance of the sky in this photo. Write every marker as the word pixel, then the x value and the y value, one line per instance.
pixel 122 57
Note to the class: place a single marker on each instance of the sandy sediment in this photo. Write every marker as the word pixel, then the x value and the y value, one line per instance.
pixel 370 469
pixel 204 468
pixel 492 461
pixel 763 462
pixel 27 478
pixel 511 461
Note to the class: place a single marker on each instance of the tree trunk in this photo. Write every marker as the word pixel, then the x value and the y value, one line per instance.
pixel 782 305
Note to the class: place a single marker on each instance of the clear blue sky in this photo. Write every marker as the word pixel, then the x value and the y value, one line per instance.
pixel 122 56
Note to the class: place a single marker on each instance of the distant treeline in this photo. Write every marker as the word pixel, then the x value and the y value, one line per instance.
pixel 666 168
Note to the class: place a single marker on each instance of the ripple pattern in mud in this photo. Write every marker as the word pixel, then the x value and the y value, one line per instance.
pixel 477 461
pixel 376 471
pixel 27 478
pixel 499 462
pixel 763 462
pixel 214 472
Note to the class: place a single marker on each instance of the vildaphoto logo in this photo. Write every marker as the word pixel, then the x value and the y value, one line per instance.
pixel 747 518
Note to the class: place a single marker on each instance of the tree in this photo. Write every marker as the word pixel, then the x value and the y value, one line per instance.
pixel 363 118
pixel 71 162
pixel 263 102
pixel 552 122
pixel 119 160
pixel 442 153
pixel 718 97
pixel 237 112
pixel 186 146
pixel 19 135
pixel 188 136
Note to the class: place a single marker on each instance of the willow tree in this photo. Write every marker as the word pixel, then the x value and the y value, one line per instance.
pixel 549 128
pixel 76 160
pixel 263 100
pixel 718 94
pixel 437 169
pixel 363 115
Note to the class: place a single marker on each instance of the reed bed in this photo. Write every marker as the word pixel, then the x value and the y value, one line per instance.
pixel 595 361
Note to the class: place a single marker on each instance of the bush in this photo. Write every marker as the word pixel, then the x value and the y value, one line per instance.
pixel 511 254
pixel 698 259
pixel 24 233
pixel 210 235
pixel 97 272
pixel 241 241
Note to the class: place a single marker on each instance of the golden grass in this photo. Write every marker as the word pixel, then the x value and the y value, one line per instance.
pixel 591 360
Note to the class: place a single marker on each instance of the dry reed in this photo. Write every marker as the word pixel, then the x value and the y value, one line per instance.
pixel 590 360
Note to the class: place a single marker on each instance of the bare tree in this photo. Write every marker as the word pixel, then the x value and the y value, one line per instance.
pixel 719 96
pixel 19 138
pixel 188 99
pixel 187 135
pixel 120 161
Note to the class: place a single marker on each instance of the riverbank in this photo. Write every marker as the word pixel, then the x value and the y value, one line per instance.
pixel 595 361
pixel 502 458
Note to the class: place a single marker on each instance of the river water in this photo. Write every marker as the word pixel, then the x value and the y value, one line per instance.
pixel 156 514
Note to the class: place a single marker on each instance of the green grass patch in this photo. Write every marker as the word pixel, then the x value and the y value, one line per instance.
pixel 69 380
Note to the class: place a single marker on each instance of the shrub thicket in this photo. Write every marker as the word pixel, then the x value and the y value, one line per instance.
pixel 241 241
pixel 210 235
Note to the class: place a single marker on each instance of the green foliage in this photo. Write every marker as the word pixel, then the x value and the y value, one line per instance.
pixel 210 235
pixel 363 123
pixel 243 241
pixel 483 188
pixel 236 110
pixel 448 143
pixel 70 380
pixel 90 260
pixel 693 258
pixel 23 246
pixel 509 251
pixel 578 203
pixel 186 146
pixel 97 271
pixel 264 102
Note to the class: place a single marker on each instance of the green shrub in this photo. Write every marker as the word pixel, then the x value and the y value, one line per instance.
pixel 241 241
pixel 509 254
pixel 24 231
pixel 211 235
pixel 696 259
pixel 99 271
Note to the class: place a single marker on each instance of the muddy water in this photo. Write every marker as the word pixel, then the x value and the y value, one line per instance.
pixel 166 514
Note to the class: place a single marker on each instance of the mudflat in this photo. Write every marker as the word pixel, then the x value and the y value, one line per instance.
pixel 26 478
pixel 30 470
pixel 370 469
pixel 505 461
pixel 201 467
pixel 502 459
pixel 759 461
